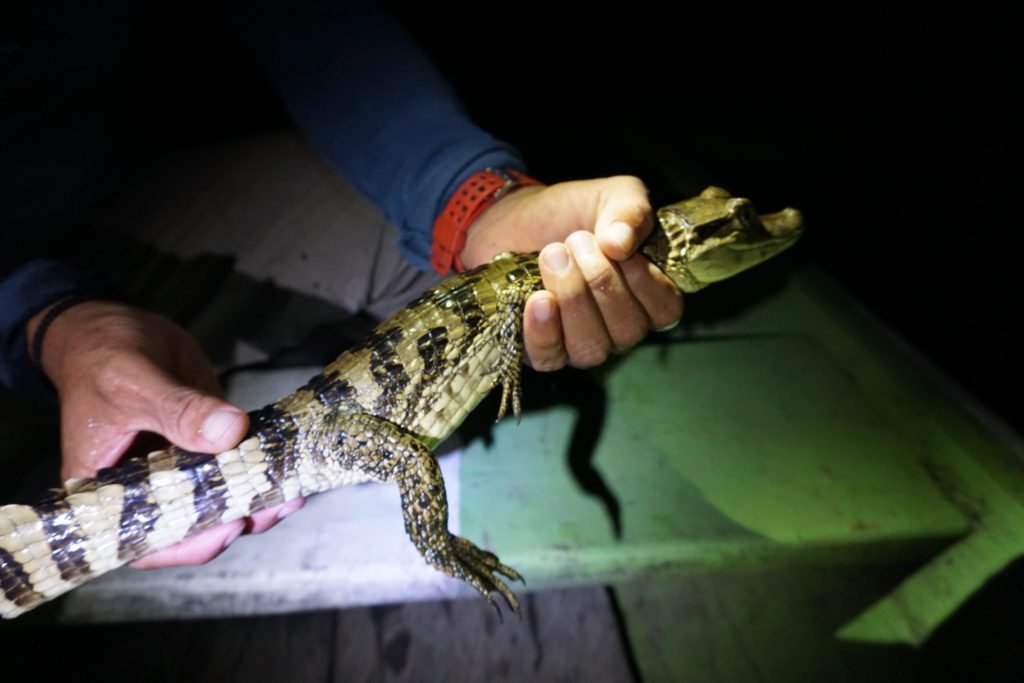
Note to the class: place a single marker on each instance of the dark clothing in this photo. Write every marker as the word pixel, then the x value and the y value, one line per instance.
pixel 350 79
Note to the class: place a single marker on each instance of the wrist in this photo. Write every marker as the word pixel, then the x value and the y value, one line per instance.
pixel 468 203
pixel 61 326
pixel 501 227
pixel 38 325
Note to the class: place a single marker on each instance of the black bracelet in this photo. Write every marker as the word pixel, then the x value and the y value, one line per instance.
pixel 35 352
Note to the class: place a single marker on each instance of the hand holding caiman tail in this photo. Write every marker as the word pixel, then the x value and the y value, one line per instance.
pixel 371 415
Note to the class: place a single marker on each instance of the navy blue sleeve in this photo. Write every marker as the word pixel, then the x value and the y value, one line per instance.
pixel 23 293
pixel 370 101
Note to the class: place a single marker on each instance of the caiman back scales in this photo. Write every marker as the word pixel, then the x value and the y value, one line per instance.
pixel 374 414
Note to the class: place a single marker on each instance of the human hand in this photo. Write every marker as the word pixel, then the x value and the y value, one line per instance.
pixel 119 371
pixel 600 295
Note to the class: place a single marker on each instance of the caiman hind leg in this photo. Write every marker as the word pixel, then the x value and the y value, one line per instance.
pixel 509 333
pixel 386 452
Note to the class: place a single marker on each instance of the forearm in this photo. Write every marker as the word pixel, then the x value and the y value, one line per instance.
pixel 370 101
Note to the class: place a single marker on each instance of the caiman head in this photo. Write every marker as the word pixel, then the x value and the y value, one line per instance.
pixel 714 236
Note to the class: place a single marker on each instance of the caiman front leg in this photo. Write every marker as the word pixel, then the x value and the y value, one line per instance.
pixel 388 453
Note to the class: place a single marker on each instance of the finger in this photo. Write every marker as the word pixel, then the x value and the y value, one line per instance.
pixel 194 550
pixel 542 333
pixel 623 316
pixel 264 519
pixel 193 420
pixel 625 219
pixel 659 296
pixel 586 340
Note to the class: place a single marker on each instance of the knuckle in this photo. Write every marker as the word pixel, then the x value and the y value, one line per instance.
pixel 546 354
pixel 626 181
pixel 180 408
pixel 628 335
pixel 630 188
pixel 549 363
pixel 572 298
pixel 602 279
pixel 547 348
pixel 670 312
pixel 590 354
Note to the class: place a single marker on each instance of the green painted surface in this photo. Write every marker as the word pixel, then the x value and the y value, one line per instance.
pixel 793 432
pixel 762 440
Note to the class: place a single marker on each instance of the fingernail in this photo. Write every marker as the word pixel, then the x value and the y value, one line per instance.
pixel 582 243
pixel 218 424
pixel 622 234
pixel 541 309
pixel 233 536
pixel 290 507
pixel 556 258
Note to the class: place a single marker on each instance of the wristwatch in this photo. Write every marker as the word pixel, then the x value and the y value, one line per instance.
pixel 467 203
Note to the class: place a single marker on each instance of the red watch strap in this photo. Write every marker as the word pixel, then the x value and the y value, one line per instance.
pixel 469 201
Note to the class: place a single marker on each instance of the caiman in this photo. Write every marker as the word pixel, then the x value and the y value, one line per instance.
pixel 374 414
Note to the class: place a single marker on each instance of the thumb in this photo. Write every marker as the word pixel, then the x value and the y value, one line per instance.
pixel 624 219
pixel 195 421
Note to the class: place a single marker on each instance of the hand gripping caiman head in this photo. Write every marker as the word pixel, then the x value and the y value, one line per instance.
pixel 714 236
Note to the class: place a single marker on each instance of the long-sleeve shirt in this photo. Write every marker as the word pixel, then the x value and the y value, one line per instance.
pixel 350 78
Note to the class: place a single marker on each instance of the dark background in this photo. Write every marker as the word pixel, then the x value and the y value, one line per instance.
pixel 891 132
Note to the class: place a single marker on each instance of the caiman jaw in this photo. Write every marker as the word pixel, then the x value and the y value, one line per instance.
pixel 715 236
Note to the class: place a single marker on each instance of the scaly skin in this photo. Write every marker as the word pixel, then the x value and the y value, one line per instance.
pixel 371 415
